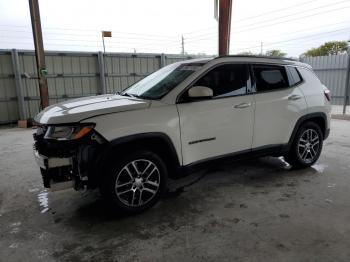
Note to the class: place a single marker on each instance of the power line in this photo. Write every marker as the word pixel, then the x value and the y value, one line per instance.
pixel 275 11
pixel 98 31
pixel 271 12
pixel 275 24
pixel 96 36
pixel 297 38
pixel 305 11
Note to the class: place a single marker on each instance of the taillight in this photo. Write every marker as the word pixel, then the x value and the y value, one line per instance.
pixel 327 94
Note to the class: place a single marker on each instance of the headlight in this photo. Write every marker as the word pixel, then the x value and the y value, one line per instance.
pixel 68 132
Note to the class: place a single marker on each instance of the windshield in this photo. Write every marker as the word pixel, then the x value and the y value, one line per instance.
pixel 161 82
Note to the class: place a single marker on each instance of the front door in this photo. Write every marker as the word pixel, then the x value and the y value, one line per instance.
pixel 222 124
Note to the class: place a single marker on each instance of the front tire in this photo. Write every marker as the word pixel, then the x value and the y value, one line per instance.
pixel 136 182
pixel 306 147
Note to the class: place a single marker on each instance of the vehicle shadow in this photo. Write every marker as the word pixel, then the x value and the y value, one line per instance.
pixel 229 188
pixel 255 173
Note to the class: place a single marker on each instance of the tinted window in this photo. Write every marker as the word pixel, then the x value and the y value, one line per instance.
pixel 226 80
pixel 270 77
pixel 294 76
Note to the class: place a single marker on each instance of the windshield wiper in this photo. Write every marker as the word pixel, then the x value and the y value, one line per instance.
pixel 137 96
pixel 127 94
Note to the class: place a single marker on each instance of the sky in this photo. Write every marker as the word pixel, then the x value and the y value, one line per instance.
pixel 157 26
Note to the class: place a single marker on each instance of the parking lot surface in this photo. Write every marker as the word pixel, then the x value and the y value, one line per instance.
pixel 256 210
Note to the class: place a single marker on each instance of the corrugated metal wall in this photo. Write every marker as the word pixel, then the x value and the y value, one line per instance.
pixel 124 70
pixel 331 70
pixel 70 75
pixel 8 96
pixel 76 74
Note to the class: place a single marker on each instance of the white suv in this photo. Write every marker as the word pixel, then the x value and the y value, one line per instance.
pixel 183 115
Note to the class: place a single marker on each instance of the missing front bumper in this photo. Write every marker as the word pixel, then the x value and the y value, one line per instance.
pixel 56 172
pixel 51 162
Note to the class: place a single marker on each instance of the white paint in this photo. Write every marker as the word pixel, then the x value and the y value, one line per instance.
pixel 33 190
pixel 44 201
pixel 14 230
pixel 42 253
pixel 319 167
pixel 13 245
pixel 80 108
pixel 16 224
pixel 284 161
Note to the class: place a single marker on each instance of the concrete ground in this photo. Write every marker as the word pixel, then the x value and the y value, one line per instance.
pixel 257 210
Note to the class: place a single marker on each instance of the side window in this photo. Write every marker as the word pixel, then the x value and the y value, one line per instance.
pixel 270 77
pixel 226 80
pixel 294 76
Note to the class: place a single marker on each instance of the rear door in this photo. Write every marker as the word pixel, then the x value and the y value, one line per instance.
pixel 279 103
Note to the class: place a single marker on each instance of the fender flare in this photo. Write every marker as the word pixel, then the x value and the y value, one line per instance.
pixel 113 144
pixel 304 118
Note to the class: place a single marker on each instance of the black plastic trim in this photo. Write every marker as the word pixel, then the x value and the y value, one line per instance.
pixel 304 118
pixel 259 56
pixel 326 134
pixel 202 140
pixel 151 135
pixel 236 156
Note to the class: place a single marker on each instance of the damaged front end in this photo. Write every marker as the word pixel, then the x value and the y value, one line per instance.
pixel 68 155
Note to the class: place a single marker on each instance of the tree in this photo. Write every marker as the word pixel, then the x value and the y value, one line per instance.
pixel 328 48
pixel 247 53
pixel 275 53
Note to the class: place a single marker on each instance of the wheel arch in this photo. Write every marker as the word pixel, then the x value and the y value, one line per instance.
pixel 156 142
pixel 319 118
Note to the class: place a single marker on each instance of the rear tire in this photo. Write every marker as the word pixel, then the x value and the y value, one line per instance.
pixel 306 146
pixel 135 182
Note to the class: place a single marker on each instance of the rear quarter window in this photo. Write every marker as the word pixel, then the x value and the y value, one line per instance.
pixel 294 76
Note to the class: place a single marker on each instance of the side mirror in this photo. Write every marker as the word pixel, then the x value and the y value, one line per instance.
pixel 200 92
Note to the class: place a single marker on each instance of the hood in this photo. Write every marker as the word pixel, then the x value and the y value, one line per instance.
pixel 78 109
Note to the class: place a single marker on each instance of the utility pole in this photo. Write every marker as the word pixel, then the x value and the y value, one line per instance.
pixel 182 46
pixel 347 83
pixel 261 48
pixel 39 52
pixel 225 7
pixel 105 34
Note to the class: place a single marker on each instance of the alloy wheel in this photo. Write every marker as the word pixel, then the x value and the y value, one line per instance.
pixel 308 145
pixel 137 183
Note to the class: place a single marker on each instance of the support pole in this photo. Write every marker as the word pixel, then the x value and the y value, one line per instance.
pixel 347 84
pixel 162 60
pixel 182 46
pixel 39 52
pixel 19 85
pixel 225 7
pixel 101 67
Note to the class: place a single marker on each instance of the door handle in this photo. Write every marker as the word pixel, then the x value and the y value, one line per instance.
pixel 294 97
pixel 243 105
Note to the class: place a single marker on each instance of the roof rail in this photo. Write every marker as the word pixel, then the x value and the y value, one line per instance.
pixel 260 56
